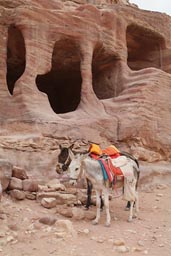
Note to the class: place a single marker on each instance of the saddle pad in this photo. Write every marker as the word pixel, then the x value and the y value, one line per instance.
pixel 115 170
pixel 110 151
pixel 120 161
pixel 124 164
pixel 95 149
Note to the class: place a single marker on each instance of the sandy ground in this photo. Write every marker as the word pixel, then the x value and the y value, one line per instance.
pixel 21 234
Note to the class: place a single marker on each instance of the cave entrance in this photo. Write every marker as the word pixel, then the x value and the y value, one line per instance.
pixel 144 48
pixel 63 83
pixel 16 52
pixel 105 70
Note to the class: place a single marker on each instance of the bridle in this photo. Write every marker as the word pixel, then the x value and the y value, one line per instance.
pixel 65 164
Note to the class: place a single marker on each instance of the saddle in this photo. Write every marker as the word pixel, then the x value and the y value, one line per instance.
pixel 110 171
pixel 115 165
pixel 96 152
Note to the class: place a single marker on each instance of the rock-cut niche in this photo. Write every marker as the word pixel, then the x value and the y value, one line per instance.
pixel 63 83
pixel 105 71
pixel 16 52
pixel 144 48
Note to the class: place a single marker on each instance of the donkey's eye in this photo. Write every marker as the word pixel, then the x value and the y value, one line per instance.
pixel 76 169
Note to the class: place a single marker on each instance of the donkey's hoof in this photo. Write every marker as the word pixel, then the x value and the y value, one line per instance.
pixel 134 216
pixel 86 208
pixel 107 224
pixel 130 219
pixel 94 222
pixel 127 208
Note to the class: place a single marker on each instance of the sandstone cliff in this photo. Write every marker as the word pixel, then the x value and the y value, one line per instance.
pixel 83 70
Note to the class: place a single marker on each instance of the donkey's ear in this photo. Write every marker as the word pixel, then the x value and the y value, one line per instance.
pixel 71 154
pixel 71 147
pixel 60 146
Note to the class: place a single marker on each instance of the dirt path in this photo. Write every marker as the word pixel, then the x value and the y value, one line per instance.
pixel 21 233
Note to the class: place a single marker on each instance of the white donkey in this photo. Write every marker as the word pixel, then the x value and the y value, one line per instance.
pixel 86 167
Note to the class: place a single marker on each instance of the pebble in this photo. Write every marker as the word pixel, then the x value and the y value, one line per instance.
pixel 140 243
pixel 47 220
pixel 119 242
pixel 121 248
pixel 100 240
pixel 14 242
pixel 156 207
pixel 161 186
pixel 131 231
pixel 159 195
pixel 136 249
pixel 86 231
pixel 10 238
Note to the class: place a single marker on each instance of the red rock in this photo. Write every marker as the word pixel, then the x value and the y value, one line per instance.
pixel 30 185
pixel 19 173
pixel 83 71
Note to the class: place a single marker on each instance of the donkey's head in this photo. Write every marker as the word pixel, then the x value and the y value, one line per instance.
pixel 74 169
pixel 64 158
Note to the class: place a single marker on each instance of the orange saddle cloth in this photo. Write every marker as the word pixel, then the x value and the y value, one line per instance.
pixel 111 151
pixel 96 152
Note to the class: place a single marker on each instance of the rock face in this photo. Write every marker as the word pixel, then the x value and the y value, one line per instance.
pixel 5 174
pixel 96 71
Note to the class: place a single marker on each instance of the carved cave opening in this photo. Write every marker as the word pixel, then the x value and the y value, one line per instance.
pixel 16 60
pixel 105 70
pixel 144 48
pixel 63 83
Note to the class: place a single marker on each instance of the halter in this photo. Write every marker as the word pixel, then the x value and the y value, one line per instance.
pixel 67 162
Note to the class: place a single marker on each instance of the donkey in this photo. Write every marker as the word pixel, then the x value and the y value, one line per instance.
pixel 86 167
pixel 64 159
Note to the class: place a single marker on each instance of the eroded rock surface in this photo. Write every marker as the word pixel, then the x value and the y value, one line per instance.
pixel 97 71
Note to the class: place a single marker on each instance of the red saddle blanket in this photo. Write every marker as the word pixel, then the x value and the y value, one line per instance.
pixel 109 171
pixel 97 153
pixel 110 168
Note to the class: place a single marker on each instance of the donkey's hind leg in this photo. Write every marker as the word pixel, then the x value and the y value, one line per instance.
pixel 127 206
pixel 89 192
pixel 131 211
pixel 96 220
pixel 136 210
pixel 106 202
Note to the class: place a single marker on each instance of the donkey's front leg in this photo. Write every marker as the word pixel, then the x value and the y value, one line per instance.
pixel 89 192
pixel 96 220
pixel 131 211
pixel 136 205
pixel 106 202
